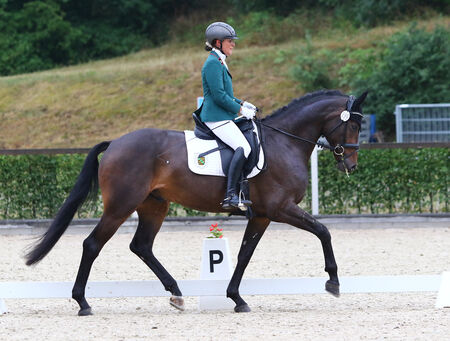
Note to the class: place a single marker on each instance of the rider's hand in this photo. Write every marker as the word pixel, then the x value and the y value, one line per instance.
pixel 249 105
pixel 248 113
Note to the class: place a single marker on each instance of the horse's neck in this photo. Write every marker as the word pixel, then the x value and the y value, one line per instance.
pixel 306 124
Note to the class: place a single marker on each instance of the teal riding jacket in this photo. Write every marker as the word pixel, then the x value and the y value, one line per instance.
pixel 219 102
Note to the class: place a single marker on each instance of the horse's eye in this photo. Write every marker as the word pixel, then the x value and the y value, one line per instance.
pixel 354 127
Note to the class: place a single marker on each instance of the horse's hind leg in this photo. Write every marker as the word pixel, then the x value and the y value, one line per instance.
pixel 151 215
pixel 92 246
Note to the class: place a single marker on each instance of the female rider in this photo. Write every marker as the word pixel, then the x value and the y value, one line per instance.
pixel 220 107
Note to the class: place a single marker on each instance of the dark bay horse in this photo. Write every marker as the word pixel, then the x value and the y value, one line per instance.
pixel 147 169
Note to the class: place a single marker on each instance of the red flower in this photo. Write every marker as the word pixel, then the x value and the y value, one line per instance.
pixel 211 229
pixel 219 229
pixel 220 236
pixel 214 225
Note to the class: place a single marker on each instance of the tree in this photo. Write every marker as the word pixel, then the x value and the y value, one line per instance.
pixel 414 68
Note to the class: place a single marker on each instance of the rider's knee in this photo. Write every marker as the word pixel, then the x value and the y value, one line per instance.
pixel 247 150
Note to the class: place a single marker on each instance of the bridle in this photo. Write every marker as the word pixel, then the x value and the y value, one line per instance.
pixel 339 149
pixel 346 116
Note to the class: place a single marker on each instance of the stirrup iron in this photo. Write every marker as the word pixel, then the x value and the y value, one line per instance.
pixel 242 205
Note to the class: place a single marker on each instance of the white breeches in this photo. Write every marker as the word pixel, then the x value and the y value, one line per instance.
pixel 230 134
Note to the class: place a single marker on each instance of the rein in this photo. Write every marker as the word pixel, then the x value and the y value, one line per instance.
pixel 320 144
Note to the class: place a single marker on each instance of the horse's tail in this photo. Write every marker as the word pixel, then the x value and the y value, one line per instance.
pixel 86 183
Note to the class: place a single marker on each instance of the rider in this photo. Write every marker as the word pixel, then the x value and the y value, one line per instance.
pixel 220 107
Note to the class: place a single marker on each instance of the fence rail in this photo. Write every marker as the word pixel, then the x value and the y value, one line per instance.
pixel 46 151
pixel 385 145
pixel 406 145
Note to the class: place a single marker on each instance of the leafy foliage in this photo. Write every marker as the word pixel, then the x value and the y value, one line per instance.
pixel 43 34
pixel 34 38
pixel 313 68
pixel 414 68
pixel 387 181
pixel 35 186
pixel 360 12
pixel 39 35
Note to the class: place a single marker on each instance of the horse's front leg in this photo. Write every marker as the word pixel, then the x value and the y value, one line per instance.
pixel 293 215
pixel 253 233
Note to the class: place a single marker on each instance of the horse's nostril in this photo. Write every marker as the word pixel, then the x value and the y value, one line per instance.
pixel 352 168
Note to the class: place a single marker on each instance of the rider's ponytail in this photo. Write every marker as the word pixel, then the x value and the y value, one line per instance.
pixel 208 46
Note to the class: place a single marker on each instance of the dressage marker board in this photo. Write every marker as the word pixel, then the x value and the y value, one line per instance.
pixel 262 286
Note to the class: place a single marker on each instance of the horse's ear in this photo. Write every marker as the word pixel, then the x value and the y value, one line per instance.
pixel 357 104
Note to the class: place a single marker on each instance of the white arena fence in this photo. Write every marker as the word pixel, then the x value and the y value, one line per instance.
pixel 216 272
pixel 262 286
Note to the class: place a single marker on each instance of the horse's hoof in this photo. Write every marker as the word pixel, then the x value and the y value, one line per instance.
pixel 242 309
pixel 85 312
pixel 177 302
pixel 332 288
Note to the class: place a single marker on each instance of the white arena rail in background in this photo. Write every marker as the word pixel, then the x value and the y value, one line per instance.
pixel 262 286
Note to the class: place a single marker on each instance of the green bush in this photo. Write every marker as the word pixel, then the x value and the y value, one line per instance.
pixel 386 181
pixel 39 35
pixel 35 38
pixel 35 186
pixel 414 68
pixel 358 12
pixel 313 68
pixel 370 13
pixel 42 34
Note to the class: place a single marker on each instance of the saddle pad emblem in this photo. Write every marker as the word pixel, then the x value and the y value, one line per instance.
pixel 201 161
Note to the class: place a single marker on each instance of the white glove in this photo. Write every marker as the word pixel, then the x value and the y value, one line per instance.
pixel 247 112
pixel 249 105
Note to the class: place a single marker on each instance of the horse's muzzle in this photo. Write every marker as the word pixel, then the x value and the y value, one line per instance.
pixel 347 166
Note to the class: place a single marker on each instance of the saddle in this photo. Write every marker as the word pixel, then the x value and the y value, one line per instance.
pixel 208 155
pixel 247 127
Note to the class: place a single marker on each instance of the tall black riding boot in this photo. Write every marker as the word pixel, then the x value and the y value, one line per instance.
pixel 232 199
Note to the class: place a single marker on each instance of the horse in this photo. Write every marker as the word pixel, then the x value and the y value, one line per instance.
pixel 145 170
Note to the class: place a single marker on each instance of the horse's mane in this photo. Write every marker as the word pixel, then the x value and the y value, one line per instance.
pixel 304 100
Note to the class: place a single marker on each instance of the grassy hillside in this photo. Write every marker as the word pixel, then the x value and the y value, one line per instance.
pixel 82 105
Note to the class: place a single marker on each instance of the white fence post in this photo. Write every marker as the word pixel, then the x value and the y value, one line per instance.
pixel 314 182
pixel 398 123
pixel 443 299
pixel 3 307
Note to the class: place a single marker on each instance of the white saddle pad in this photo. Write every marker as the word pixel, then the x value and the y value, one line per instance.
pixel 211 164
